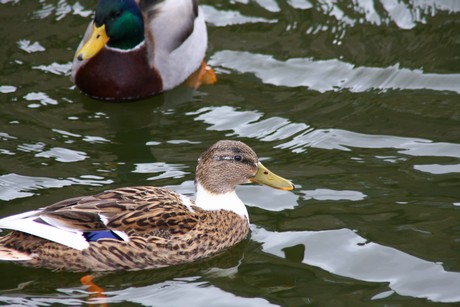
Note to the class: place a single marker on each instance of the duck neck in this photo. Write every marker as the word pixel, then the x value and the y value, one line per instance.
pixel 126 45
pixel 220 201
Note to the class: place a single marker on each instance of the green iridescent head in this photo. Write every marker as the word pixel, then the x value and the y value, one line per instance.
pixel 123 22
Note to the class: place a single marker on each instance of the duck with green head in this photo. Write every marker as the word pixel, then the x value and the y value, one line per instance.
pixel 133 49
pixel 142 227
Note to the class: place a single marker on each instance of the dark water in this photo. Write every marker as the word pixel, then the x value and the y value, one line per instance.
pixel 357 102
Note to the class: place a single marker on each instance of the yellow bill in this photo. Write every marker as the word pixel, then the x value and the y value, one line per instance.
pixel 95 43
pixel 266 177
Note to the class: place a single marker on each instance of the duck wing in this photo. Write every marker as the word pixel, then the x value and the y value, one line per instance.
pixel 170 22
pixel 118 214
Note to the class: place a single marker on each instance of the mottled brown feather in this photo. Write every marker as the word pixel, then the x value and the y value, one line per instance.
pixel 162 232
pixel 142 209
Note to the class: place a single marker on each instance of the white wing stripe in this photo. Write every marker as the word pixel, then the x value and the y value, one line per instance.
pixel 29 225
pixel 19 216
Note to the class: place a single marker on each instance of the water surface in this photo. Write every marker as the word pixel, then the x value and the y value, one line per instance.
pixel 358 103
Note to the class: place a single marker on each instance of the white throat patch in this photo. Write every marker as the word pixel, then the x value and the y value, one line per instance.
pixel 228 201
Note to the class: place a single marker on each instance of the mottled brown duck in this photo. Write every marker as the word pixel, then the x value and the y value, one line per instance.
pixel 142 227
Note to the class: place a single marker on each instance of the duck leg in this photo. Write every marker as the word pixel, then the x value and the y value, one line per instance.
pixel 96 291
pixel 204 75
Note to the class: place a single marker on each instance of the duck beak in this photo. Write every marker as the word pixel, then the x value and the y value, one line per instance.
pixel 95 43
pixel 266 177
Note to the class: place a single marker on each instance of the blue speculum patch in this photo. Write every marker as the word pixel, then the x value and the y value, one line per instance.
pixel 100 234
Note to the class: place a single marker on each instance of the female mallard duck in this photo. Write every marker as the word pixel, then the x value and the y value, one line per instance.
pixel 142 227
pixel 136 48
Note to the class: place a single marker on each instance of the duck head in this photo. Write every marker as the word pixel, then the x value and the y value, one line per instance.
pixel 117 24
pixel 227 164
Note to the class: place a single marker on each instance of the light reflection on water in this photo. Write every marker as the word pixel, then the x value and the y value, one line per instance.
pixel 375 208
pixel 227 18
pixel 14 186
pixel 165 170
pixel 193 292
pixel 301 136
pixel 345 253
pixel 333 75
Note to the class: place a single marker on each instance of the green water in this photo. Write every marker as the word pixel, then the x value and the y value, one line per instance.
pixel 356 102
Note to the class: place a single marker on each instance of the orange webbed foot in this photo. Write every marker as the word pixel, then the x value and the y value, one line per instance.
pixel 204 75
pixel 96 291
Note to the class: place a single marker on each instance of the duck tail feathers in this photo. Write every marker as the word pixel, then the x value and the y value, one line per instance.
pixel 9 254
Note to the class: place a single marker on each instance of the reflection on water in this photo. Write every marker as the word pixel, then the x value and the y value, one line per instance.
pixel 438 169
pixel 301 136
pixel 193 292
pixel 345 253
pixel 333 75
pixel 55 68
pixel 41 97
pixel 227 18
pixel 404 15
pixel 334 251
pixel 165 170
pixel 14 186
pixel 355 102
pixel 29 47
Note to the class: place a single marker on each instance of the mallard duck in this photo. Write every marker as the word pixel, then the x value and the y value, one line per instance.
pixel 142 227
pixel 134 48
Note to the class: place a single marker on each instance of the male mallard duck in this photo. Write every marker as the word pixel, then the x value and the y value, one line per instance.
pixel 142 227
pixel 136 48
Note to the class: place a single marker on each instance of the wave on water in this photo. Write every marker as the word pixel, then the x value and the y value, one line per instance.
pixel 333 75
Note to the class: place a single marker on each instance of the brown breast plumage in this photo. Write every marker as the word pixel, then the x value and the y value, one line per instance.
pixel 119 75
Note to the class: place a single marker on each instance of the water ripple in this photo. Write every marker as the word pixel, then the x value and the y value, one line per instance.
pixel 87 138
pixel 333 75
pixel 62 10
pixel 41 97
pixel 193 292
pixel 438 169
pixel 56 68
pixel 13 186
pixel 300 4
pixel 327 194
pixel 29 47
pixel 63 154
pixel 345 253
pixel 226 18
pixel 405 15
pixel 269 5
pixel 6 89
pixel 166 170
pixel 299 136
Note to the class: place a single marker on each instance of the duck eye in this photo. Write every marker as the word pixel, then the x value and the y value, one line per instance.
pixel 237 158
pixel 115 14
